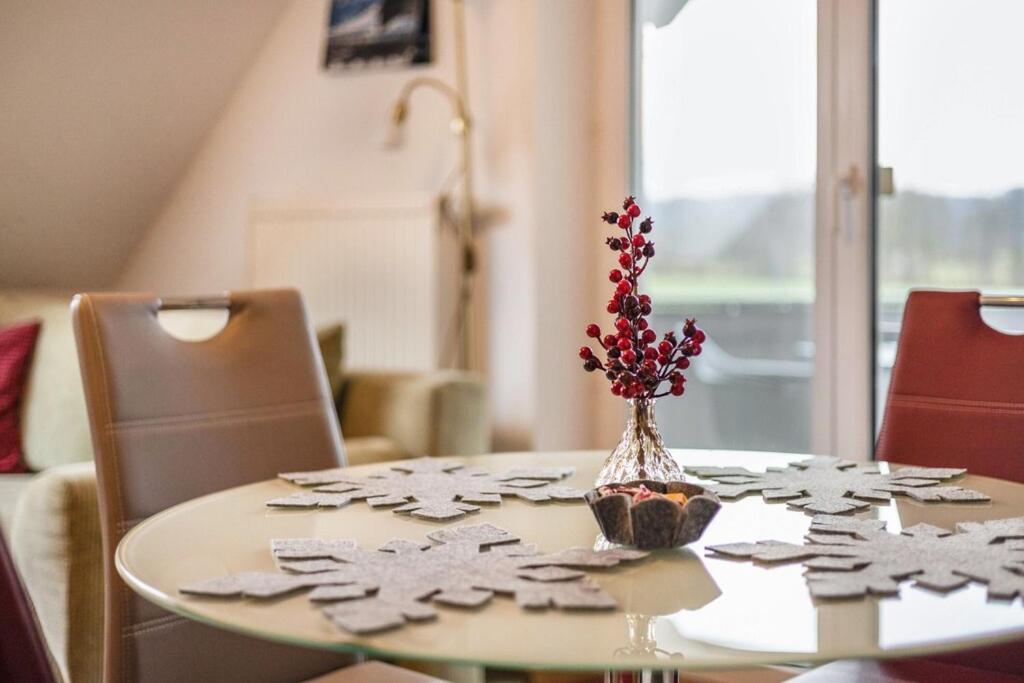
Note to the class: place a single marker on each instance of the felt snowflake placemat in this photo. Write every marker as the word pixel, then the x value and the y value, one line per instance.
pixel 365 591
pixel 430 488
pixel 855 557
pixel 825 484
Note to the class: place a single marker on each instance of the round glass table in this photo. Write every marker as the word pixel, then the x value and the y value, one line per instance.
pixel 677 609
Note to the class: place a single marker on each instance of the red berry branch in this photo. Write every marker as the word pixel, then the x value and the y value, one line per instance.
pixel 636 366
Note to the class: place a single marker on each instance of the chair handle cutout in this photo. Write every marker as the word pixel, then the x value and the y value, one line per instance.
pixel 194 319
pixel 194 303
pixel 1002 301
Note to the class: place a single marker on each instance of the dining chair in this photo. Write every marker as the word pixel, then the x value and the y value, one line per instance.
pixel 956 396
pixel 23 654
pixel 956 399
pixel 172 420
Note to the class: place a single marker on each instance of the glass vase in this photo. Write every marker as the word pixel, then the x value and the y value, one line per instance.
pixel 641 454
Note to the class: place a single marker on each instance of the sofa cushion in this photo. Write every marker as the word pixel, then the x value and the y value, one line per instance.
pixel 434 413
pixel 331 339
pixel 17 342
pixel 55 540
pixel 54 424
pixel 362 450
pixel 11 486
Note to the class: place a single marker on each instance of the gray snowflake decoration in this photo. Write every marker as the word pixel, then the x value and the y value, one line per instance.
pixel 429 488
pixel 830 485
pixel 365 591
pixel 856 557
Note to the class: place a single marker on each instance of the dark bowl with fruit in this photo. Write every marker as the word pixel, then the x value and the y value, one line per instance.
pixel 653 514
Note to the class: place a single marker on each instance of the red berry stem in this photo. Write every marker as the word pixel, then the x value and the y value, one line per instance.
pixel 635 366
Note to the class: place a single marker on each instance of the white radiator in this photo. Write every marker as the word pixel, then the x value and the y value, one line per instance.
pixel 382 267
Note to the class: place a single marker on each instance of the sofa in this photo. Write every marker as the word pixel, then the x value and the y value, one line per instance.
pixel 51 515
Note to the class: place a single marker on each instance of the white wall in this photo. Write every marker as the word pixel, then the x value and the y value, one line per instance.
pixel 103 104
pixel 293 132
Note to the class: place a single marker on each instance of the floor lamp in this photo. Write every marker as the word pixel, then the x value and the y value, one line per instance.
pixel 461 126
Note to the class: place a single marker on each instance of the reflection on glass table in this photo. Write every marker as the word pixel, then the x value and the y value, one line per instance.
pixel 647 606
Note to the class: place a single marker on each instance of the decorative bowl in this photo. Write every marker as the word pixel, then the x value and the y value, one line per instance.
pixel 655 522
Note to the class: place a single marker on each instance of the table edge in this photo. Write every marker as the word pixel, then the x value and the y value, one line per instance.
pixel 706 664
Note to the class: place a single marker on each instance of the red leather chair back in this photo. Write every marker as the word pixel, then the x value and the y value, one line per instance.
pixel 956 398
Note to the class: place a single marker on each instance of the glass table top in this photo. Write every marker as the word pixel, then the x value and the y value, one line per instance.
pixel 677 608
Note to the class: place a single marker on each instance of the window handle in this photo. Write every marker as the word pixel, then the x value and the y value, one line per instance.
pixel 884 182
pixel 849 186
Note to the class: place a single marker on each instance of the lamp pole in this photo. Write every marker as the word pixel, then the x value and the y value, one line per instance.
pixel 466 243
pixel 461 126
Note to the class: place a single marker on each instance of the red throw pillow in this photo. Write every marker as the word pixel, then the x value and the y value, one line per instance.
pixel 16 345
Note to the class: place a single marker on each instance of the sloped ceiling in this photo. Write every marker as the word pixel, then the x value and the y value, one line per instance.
pixel 102 105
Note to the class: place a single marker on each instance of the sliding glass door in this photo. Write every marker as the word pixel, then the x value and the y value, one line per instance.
pixel 724 153
pixel 809 162
pixel 951 140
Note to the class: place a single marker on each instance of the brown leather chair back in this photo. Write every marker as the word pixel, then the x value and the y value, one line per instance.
pixel 172 420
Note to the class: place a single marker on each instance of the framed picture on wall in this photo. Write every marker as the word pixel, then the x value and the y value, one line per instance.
pixel 368 33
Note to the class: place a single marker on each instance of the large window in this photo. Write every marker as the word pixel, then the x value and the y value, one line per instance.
pixel 759 129
pixel 724 158
pixel 950 113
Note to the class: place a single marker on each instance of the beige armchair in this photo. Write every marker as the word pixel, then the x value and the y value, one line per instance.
pixel 394 415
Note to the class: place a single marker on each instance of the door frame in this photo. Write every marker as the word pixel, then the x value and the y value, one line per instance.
pixel 844 310
pixel 843 396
